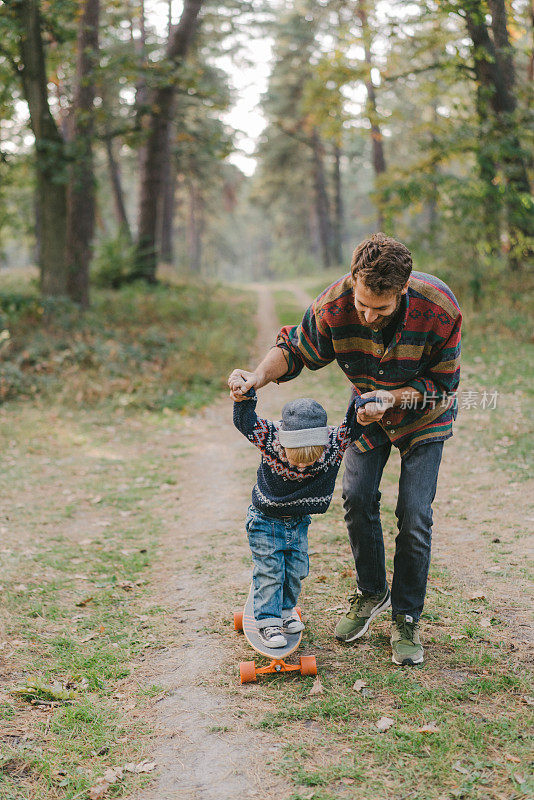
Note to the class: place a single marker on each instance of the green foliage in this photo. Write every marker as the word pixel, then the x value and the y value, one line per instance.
pixel 113 262
pixel 166 347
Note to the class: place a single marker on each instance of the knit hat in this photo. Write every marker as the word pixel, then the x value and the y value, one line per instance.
pixel 303 424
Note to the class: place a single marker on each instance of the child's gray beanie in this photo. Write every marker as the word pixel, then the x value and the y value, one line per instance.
pixel 303 424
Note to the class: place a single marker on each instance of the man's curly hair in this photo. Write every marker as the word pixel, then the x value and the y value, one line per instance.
pixel 383 264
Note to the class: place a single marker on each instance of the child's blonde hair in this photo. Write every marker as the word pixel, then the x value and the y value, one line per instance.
pixel 305 455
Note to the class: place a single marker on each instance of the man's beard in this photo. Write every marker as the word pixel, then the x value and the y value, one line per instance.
pixel 378 324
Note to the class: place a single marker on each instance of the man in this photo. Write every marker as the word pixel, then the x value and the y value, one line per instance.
pixel 396 335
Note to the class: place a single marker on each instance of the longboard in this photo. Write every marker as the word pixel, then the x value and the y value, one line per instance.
pixel 244 621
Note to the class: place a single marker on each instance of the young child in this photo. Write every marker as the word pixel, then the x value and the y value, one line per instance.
pixel 301 457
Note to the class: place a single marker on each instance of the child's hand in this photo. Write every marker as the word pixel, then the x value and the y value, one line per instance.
pixel 240 381
pixel 372 412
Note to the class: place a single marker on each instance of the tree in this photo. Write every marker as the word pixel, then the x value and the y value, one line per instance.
pixel 161 114
pixel 50 152
pixel 81 191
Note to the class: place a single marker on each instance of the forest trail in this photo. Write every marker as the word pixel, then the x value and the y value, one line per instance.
pixel 207 744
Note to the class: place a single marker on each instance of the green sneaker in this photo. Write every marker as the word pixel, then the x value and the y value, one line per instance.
pixel 363 609
pixel 405 641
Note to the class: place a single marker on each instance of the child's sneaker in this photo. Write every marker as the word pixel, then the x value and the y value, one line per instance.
pixel 292 624
pixel 272 636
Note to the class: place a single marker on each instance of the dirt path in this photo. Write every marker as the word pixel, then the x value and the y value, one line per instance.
pixel 205 743
pixel 204 748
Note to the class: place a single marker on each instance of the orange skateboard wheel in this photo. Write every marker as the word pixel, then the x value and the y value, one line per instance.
pixel 238 620
pixel 247 671
pixel 308 665
pixel 299 611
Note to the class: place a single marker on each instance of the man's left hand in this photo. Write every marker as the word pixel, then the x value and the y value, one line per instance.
pixel 373 412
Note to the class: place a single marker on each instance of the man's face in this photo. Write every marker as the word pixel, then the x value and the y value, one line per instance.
pixel 375 310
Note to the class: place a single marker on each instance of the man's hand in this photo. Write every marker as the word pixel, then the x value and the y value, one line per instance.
pixel 240 381
pixel 373 412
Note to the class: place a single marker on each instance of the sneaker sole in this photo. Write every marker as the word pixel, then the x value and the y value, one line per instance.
pixel 376 612
pixel 407 662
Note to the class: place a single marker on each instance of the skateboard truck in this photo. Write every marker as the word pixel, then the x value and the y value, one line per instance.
pixel 248 671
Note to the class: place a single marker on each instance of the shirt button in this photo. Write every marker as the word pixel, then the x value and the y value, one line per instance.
pixel 375 330
pixel 392 430
pixel 380 371
pixel 346 366
pixel 379 352
pixel 388 422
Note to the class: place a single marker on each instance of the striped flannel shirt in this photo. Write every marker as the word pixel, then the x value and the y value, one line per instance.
pixel 424 354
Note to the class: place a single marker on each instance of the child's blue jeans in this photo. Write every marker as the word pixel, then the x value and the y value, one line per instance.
pixel 280 554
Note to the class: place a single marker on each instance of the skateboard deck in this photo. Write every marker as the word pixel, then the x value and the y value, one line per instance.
pixel 244 621
pixel 252 636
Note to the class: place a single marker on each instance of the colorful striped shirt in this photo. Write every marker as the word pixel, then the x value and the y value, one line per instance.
pixel 424 354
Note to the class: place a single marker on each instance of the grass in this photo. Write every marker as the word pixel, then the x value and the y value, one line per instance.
pixel 76 610
pixel 168 346
pixel 86 492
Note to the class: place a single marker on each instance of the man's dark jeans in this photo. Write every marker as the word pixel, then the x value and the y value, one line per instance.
pixel 361 499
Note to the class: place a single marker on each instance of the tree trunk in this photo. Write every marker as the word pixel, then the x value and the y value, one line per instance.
pixel 379 159
pixel 169 182
pixel 167 211
pixel 495 72
pixel 195 227
pixel 118 194
pixel 81 192
pixel 322 206
pixel 158 126
pixel 338 231
pixel 51 162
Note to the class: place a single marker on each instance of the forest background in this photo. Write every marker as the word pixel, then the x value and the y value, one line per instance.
pixel 414 118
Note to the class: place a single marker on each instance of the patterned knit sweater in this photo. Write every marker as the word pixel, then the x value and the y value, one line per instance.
pixel 282 490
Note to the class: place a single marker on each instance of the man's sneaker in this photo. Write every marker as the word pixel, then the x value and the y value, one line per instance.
pixel 272 636
pixel 405 641
pixel 292 624
pixel 363 609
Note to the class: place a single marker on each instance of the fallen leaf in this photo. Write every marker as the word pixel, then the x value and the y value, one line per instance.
pixel 96 500
pixel 458 767
pixel 317 687
pixel 113 774
pixel 366 693
pixel 359 685
pixel 519 778
pixel 457 636
pixel 384 723
pixel 85 601
pixel 347 781
pixel 442 591
pixel 485 622
pixel 477 596
pixel 508 757
pixel 430 728
pixel 99 791
pixel 143 766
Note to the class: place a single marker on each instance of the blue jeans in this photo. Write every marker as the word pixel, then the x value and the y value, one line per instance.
pixel 280 554
pixel 361 500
